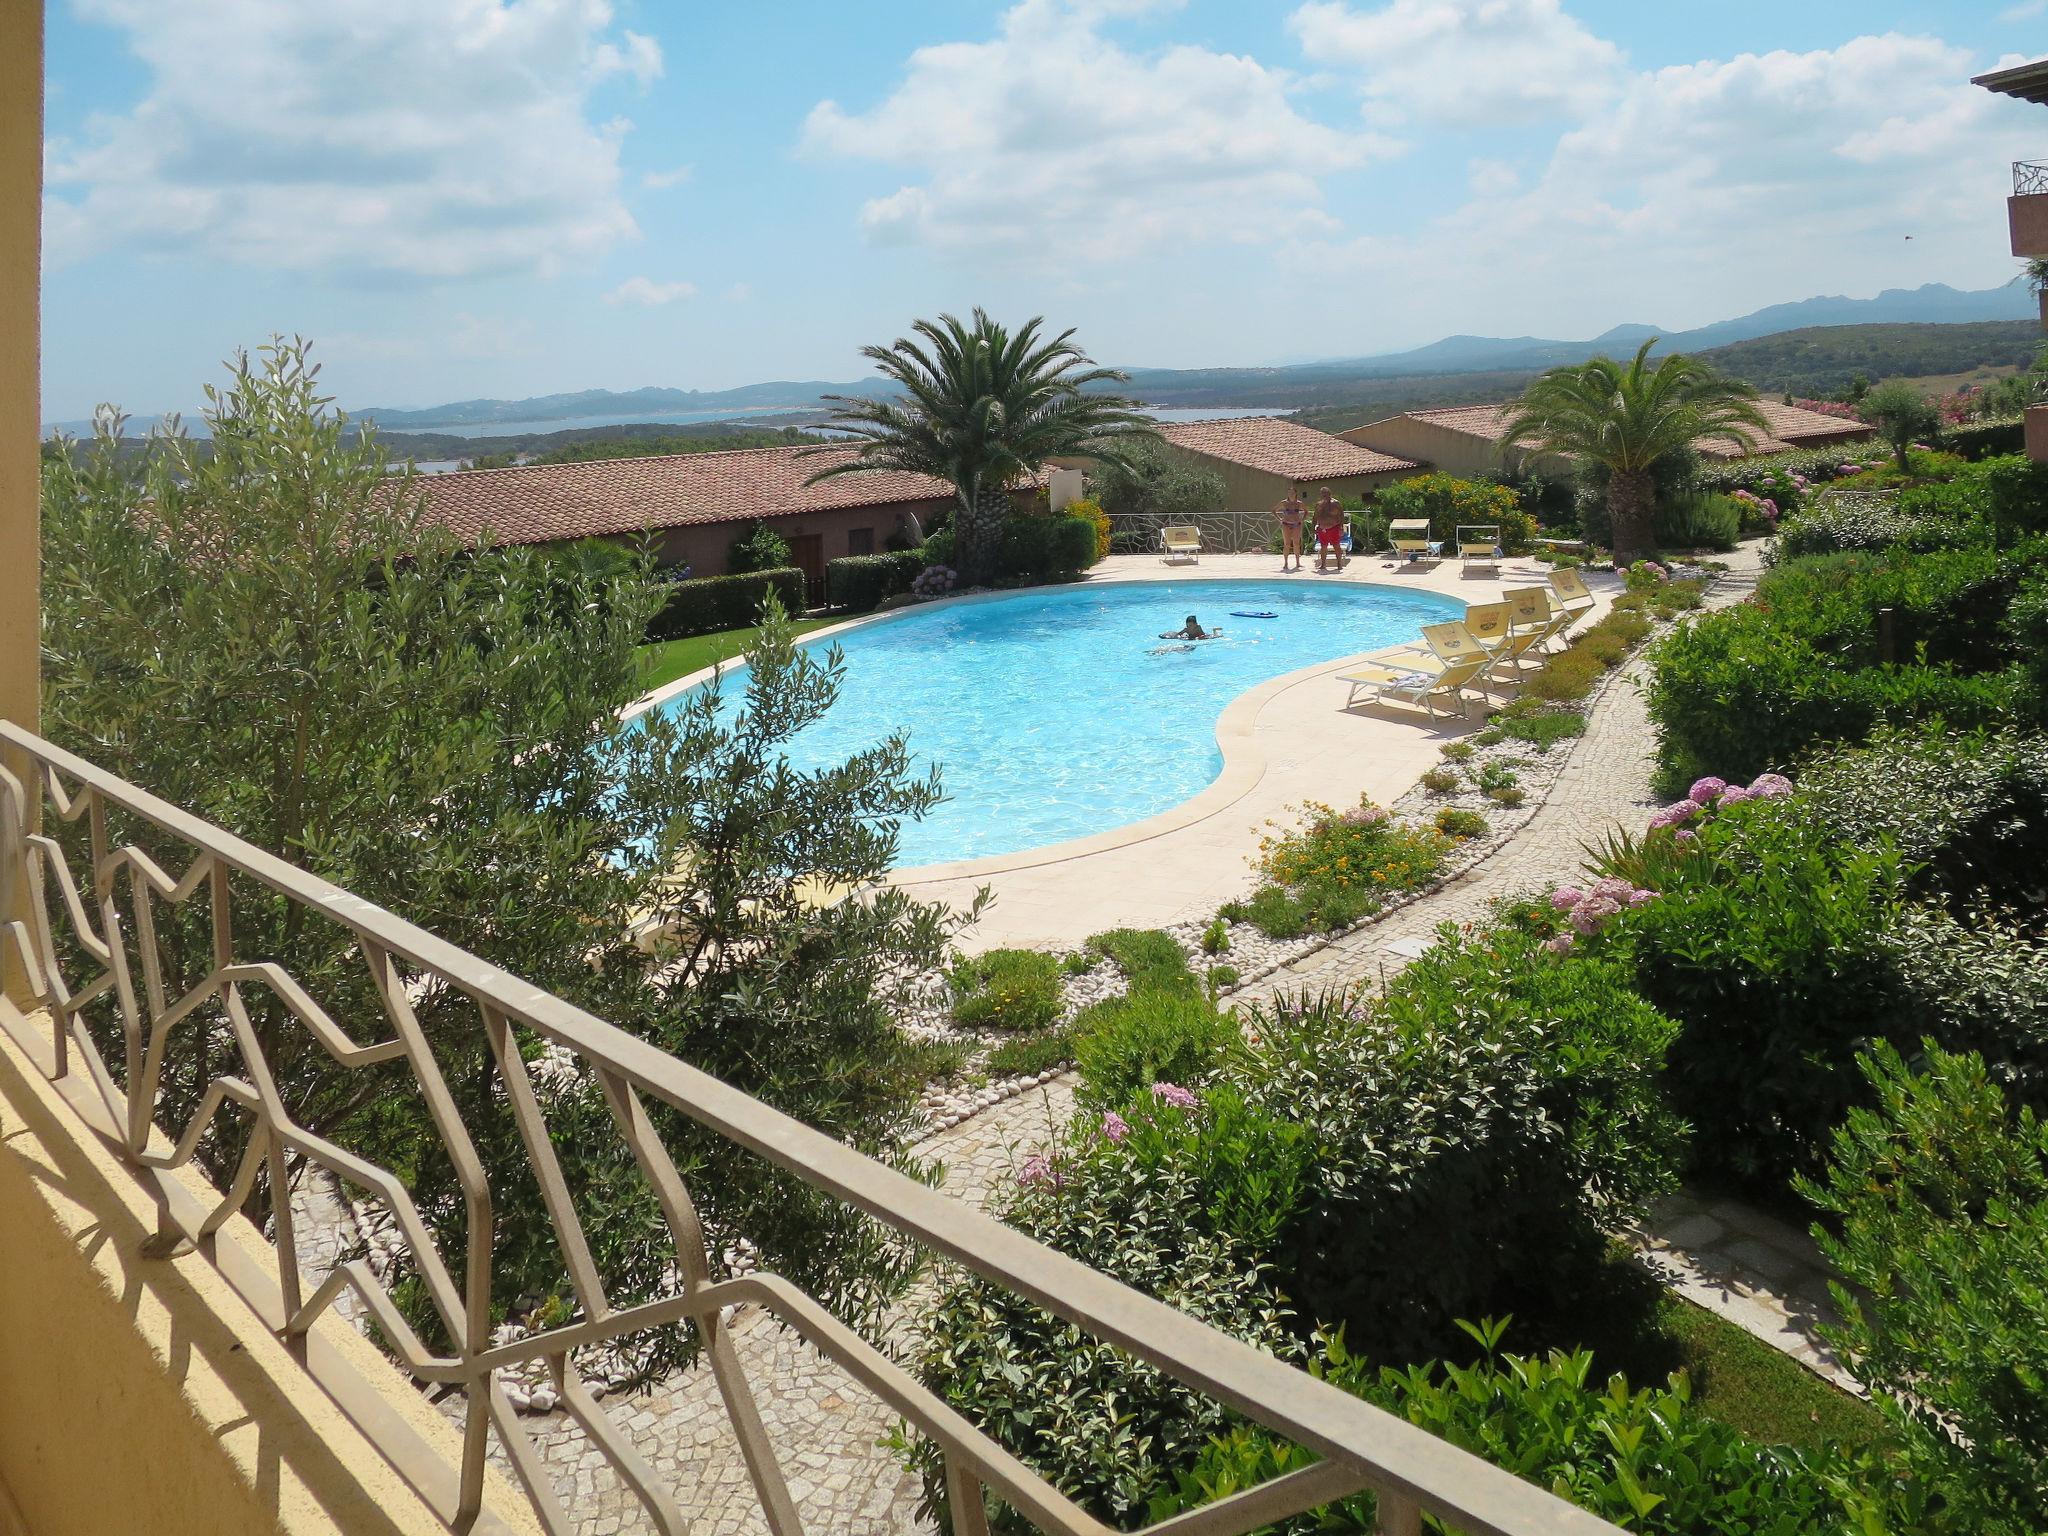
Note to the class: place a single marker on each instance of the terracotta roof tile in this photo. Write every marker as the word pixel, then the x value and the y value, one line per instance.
pixel 1280 447
pixel 1791 427
pixel 539 503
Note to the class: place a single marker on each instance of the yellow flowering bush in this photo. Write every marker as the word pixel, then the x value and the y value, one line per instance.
pixel 1341 866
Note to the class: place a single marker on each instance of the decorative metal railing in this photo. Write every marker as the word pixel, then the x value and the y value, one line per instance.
pixel 56 807
pixel 1223 533
pixel 2029 177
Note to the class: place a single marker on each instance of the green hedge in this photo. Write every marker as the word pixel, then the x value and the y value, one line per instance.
pixel 1736 694
pixel 1046 548
pixel 1983 439
pixel 712 603
pixel 1871 521
pixel 1755 686
pixel 859 582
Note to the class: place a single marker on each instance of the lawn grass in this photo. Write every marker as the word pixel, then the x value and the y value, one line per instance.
pixel 667 660
pixel 1769 1396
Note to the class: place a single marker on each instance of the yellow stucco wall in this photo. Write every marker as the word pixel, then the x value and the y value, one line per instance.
pixel 143 1394
pixel 21 183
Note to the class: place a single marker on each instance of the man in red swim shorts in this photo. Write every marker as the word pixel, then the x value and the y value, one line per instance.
pixel 1329 531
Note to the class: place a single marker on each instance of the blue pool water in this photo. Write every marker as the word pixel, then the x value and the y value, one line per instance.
pixel 1058 714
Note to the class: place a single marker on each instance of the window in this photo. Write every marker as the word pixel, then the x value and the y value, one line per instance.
pixel 860 541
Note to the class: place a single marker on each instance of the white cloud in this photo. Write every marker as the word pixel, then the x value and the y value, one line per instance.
pixel 1703 186
pixel 662 180
pixel 2026 10
pixel 738 293
pixel 488 336
pixel 384 138
pixel 1054 141
pixel 1491 178
pixel 645 291
pixel 1462 63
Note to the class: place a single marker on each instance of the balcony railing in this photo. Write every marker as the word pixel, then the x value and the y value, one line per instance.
pixel 2029 177
pixel 1223 533
pixel 63 809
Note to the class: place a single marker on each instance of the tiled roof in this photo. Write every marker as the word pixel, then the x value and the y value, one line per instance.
pixel 1280 447
pixel 1791 427
pixel 539 503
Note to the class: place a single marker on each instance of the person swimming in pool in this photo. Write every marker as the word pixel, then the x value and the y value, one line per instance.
pixel 1192 630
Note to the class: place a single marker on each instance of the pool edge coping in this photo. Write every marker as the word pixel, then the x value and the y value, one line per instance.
pixel 1244 761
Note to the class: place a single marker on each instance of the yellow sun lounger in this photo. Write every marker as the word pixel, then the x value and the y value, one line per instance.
pixel 1536 620
pixel 1181 542
pixel 1571 591
pixel 1457 659
pixel 1410 536
pixel 1479 544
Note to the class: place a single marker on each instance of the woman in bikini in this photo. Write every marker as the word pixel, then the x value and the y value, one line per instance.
pixel 1291 513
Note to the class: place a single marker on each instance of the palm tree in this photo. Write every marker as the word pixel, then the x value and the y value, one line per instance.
pixel 983 408
pixel 1627 417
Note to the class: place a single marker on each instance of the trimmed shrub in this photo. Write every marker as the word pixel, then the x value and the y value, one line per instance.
pixel 1474 1134
pixel 1941 1196
pixel 1647 1459
pixel 1148 957
pixel 1567 676
pixel 1526 720
pixel 1046 547
pixel 2016 492
pixel 1870 521
pixel 1462 825
pixel 712 603
pixel 1969 813
pixel 1124 1045
pixel 1986 439
pixel 1102 1426
pixel 1010 989
pixel 1027 1055
pixel 1441 781
pixel 1766 940
pixel 1697 521
pixel 1275 913
pixel 1092 510
pixel 1753 686
pixel 858 582
pixel 760 548
pixel 1469 1139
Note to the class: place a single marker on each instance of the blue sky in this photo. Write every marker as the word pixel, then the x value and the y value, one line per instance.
pixel 460 198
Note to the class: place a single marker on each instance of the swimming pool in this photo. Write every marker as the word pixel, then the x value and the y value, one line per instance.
pixel 1057 714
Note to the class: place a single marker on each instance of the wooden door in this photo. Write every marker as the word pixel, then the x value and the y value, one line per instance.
pixel 807 554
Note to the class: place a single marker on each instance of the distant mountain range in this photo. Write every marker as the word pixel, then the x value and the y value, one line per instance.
pixel 1932 302
pixel 1291 386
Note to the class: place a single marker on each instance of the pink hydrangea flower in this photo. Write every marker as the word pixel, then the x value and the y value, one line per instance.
pixel 1561 945
pixel 1687 835
pixel 1769 786
pixel 1589 914
pixel 1174 1094
pixel 1734 794
pixel 1637 898
pixel 1709 788
pixel 1672 815
pixel 1115 1126
pixel 1565 897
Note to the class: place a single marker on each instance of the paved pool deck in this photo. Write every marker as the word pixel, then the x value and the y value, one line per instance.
pixel 1286 741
